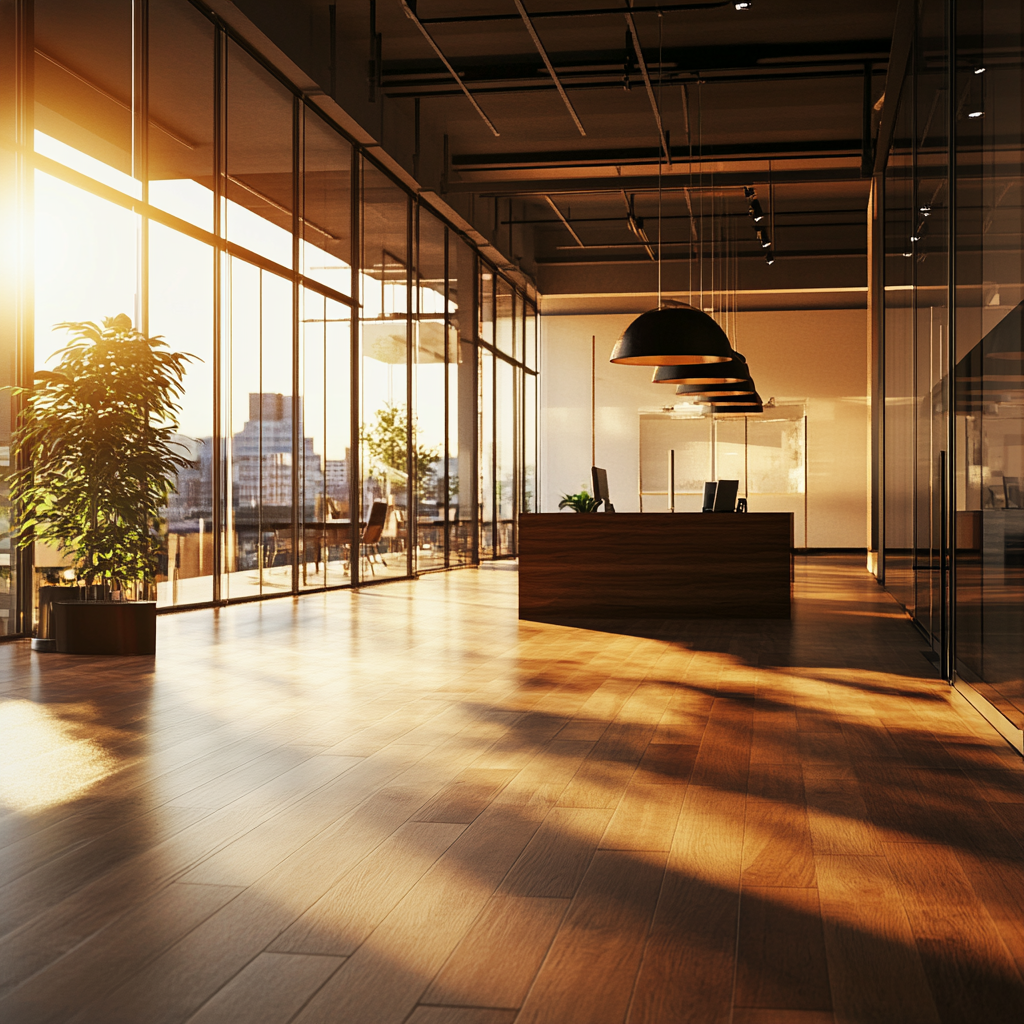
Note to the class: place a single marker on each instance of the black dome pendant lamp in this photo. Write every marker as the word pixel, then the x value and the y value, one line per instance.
pixel 716 390
pixel 738 400
pixel 734 371
pixel 672 336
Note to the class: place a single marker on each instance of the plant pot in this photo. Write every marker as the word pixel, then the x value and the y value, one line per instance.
pixel 105 627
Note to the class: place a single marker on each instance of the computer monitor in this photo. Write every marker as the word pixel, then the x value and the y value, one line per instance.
pixel 709 496
pixel 725 496
pixel 600 478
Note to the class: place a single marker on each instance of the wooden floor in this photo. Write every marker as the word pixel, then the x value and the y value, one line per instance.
pixel 403 805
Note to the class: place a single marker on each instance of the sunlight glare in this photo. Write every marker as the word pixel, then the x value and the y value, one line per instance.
pixel 44 764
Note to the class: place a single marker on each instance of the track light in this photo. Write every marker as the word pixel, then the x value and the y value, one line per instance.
pixel 979 71
pixel 917 237
pixel 762 236
pixel 743 5
pixel 925 211
pixel 756 212
pixel 769 258
pixel 975 114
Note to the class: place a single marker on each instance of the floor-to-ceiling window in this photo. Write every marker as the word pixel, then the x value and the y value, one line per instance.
pixel 175 176
pixel 954 285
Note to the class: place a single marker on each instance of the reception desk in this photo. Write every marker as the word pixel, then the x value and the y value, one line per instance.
pixel 656 566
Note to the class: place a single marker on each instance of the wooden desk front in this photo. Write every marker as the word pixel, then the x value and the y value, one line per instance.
pixel 656 565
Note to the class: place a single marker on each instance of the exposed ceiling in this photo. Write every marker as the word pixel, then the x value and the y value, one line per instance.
pixel 568 124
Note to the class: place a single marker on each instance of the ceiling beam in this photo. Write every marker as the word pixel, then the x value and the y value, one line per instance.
pixel 547 63
pixel 565 221
pixel 411 15
pixel 650 88
pixel 548 159
pixel 587 12
pixel 649 182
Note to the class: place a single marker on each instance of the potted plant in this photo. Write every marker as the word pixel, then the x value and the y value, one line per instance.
pixel 581 502
pixel 94 443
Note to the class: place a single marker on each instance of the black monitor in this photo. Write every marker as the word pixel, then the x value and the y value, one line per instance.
pixel 725 496
pixel 709 496
pixel 600 478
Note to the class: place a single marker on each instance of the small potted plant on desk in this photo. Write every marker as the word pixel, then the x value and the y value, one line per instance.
pixel 97 459
pixel 581 502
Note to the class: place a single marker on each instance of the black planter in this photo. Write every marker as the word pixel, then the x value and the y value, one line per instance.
pixel 105 627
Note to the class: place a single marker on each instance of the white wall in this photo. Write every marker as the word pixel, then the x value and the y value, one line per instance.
pixel 814 356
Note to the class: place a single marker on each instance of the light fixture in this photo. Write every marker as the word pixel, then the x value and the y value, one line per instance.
pixel 769 259
pixel 908 254
pixel 979 71
pixel 763 238
pixel 925 211
pixel 733 372
pixel 917 237
pixel 716 390
pixel 735 410
pixel 752 399
pixel 743 5
pixel 975 114
pixel 672 336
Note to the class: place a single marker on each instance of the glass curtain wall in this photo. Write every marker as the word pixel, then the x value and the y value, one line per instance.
pixel 153 165
pixel 954 362
pixel 989 356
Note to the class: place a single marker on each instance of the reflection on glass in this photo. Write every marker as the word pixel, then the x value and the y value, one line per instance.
pixel 83 87
pixel 325 464
pixel 179 266
pixel 505 457
pixel 326 247
pixel 486 304
pixel 530 337
pixel 505 317
pixel 430 362
pixel 462 394
pixel 181 90
pixel 384 343
pixel 530 497
pixel 258 547
pixel 485 459
pixel 259 159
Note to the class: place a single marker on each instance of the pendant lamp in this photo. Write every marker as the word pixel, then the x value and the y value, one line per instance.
pixel 735 371
pixel 717 390
pixel 672 336
pixel 752 399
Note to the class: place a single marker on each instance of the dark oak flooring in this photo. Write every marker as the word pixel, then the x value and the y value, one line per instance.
pixel 404 806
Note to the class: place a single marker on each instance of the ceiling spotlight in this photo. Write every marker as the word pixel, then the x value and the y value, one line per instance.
pixel 908 254
pixel 975 114
pixel 769 259
pixel 762 236
pixel 917 238
pixel 979 71
pixel 755 211
pixel 925 211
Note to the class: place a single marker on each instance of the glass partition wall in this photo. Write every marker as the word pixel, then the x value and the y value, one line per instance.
pixel 361 404
pixel 953 354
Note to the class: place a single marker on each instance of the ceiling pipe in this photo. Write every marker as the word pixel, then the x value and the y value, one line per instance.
pixel 589 12
pixel 547 63
pixel 650 88
pixel 411 15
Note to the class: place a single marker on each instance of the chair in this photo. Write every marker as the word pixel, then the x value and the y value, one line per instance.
pixel 373 531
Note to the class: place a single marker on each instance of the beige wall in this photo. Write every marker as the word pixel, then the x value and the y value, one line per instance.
pixel 813 356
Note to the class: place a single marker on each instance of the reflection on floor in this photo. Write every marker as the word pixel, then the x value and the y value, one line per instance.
pixel 403 805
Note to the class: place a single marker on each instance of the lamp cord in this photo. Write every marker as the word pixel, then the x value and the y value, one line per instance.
pixel 661 154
